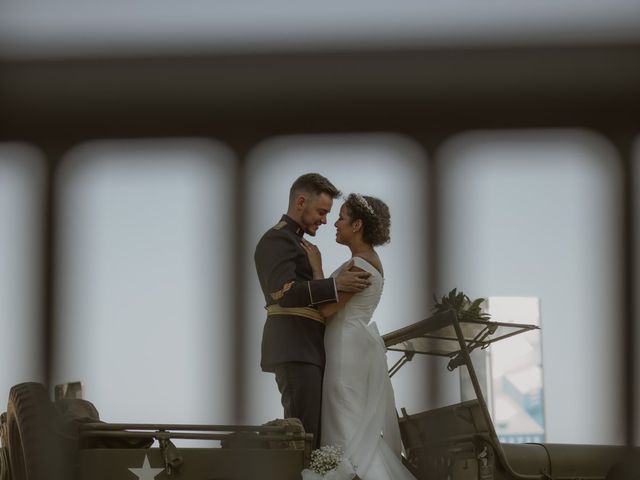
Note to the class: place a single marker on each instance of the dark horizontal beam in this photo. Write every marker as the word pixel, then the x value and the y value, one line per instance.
pixel 346 90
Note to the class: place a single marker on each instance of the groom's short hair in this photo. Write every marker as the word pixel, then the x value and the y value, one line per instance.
pixel 313 183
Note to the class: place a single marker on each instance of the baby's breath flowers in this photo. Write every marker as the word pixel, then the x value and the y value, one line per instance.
pixel 327 464
pixel 325 459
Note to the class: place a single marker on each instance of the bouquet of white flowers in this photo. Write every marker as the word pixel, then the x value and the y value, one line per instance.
pixel 325 459
pixel 327 464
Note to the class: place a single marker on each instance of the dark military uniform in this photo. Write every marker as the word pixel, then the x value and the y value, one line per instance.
pixel 292 340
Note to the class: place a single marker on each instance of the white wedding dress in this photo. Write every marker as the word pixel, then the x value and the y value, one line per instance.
pixel 358 405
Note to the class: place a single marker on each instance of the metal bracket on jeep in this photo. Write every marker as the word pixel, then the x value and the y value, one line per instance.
pixel 172 459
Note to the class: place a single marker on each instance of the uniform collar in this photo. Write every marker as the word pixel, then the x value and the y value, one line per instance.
pixel 292 225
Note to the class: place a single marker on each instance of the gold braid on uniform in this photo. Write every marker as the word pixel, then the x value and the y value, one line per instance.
pixel 280 293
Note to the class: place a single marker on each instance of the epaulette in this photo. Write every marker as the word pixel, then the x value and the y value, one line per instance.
pixel 280 225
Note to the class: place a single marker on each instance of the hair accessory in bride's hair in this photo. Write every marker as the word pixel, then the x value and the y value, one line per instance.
pixel 360 200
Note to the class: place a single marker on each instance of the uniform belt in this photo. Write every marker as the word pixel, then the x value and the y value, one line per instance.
pixel 307 312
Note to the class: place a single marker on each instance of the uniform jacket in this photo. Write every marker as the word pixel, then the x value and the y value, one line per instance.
pixel 294 329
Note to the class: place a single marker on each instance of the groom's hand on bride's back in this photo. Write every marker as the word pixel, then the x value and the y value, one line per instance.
pixel 352 279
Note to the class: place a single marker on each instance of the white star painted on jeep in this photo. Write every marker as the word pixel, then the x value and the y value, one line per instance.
pixel 146 472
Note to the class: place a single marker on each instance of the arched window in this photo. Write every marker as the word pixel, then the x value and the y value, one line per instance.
pixel 21 196
pixel 145 278
pixel 537 213
pixel 387 166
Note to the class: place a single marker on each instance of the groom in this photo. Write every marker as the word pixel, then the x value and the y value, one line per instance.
pixel 292 339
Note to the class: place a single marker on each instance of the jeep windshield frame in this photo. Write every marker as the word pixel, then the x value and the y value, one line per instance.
pixel 445 335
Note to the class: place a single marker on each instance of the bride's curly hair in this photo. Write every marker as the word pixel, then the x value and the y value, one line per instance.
pixel 375 216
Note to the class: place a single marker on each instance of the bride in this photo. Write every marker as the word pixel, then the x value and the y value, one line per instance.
pixel 358 405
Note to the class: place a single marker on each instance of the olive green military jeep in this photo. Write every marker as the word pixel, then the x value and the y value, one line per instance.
pixel 65 440
pixel 459 442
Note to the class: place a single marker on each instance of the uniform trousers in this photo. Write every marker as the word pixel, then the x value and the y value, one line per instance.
pixel 300 386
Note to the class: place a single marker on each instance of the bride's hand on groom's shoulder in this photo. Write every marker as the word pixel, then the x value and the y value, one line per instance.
pixel 315 258
pixel 350 279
